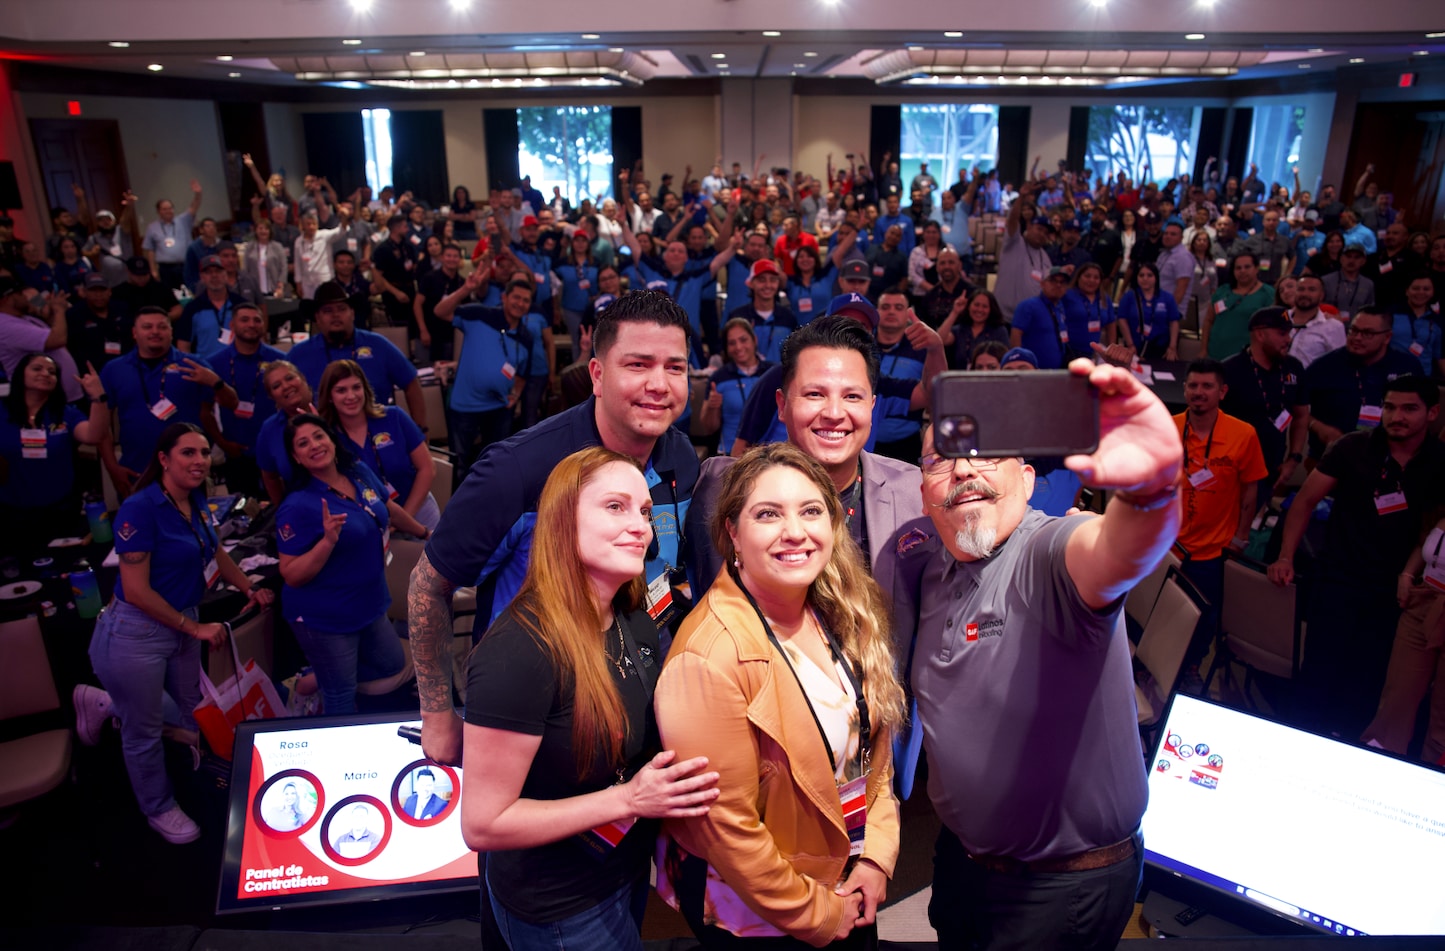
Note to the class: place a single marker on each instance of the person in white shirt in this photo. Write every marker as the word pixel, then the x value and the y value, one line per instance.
pixel 313 256
pixel 1315 332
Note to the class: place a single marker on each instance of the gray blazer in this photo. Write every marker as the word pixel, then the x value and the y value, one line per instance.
pixel 275 264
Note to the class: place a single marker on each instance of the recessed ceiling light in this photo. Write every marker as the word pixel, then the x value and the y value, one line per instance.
pixel 800 65
pixel 953 34
pixel 719 56
pixel 1422 52
pixel 1099 3
pixel 771 33
pixel 1435 36
pixel 591 36
pixel 350 42
pixel 118 44
pixel 915 49
pixel 155 67
pixel 460 5
pixel 417 53
pixel 1357 59
pixel 361 6
pixel 1317 49
pixel 810 53
pixel 234 75
pixel 1304 65
pixel 616 49
pixel 1194 36
pixel 223 59
pixel 792 72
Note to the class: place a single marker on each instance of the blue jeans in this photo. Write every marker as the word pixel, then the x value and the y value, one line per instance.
pixel 613 924
pixel 139 661
pixel 341 660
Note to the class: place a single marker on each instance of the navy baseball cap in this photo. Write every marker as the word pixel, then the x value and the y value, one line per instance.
pixel 855 305
pixel 1020 353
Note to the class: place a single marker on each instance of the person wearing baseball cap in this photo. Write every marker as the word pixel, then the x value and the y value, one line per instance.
pixel 853 277
pixel 1019 358
pixel 1307 241
pixel 100 326
pixel 394 273
pixel 142 290
pixel 772 321
pixel 538 262
pixel 204 326
pixel 112 242
pixel 1040 323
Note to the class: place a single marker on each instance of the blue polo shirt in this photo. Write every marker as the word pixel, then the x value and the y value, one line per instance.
pixel 390 441
pixel 902 361
pixel 1041 323
pixel 579 284
pixel 1306 247
pixel 1086 319
pixel 485 535
pixel 734 387
pixel 686 289
pixel 349 592
pixel 386 367
pixel 482 383
pixel 1419 337
pixel 134 387
pixel 201 323
pixel 811 301
pixel 243 374
pixel 760 422
pixel 180 549
pixel 270 448
pixel 539 263
pixel 536 323
pixel 39 475
pixel 770 332
pixel 1149 319
pixel 904 223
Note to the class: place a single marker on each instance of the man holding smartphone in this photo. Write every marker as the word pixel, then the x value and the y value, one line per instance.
pixel 1022 675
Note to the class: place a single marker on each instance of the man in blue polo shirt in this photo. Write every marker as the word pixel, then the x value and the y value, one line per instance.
pixel 1038 322
pixel 535 258
pixel 681 281
pixel 239 364
pixel 639 380
pixel 893 216
pixel 204 327
pixel 151 387
pixel 386 367
pixel 898 428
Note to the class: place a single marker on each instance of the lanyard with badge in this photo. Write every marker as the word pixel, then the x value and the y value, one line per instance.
pixel 1202 477
pixel 667 602
pixel 245 406
pixel 365 503
pixel 1388 503
pixel 853 794
pixel 1282 419
pixel 372 446
pixel 162 408
pixel 207 540
pixel 1060 326
pixel 1370 413
pixel 34 440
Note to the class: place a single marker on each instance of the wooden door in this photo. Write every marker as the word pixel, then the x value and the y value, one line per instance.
pixel 86 151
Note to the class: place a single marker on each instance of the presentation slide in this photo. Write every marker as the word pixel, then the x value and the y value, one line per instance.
pixel 346 807
pixel 1315 829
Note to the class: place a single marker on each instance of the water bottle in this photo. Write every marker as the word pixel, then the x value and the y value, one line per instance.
pixel 85 589
pixel 99 520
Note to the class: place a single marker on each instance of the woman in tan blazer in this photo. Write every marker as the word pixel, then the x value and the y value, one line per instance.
pixel 783 676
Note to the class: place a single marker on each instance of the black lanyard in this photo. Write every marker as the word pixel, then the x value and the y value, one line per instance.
pixel 855 680
pixel 359 500
pixel 851 506
pixel 235 378
pixel 140 370
pixel 207 539
pixel 369 443
pixel 1208 444
pixel 1263 392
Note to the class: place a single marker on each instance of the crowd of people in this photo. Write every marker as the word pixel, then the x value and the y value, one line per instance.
pixel 690 427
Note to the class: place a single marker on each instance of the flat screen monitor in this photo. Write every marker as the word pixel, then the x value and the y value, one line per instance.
pixel 1336 838
pixel 326 810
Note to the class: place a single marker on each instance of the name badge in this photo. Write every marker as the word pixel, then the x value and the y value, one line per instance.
pixel 407 265
pixel 1387 267
pixel 163 409
pixel 1282 421
pixel 1435 577
pixel 1264 264
pixel 1037 275
pixel 1416 348
pixel 245 410
pixel 112 348
pixel 226 336
pixel 32 443
pixel 170 242
pixel 508 370
pixel 1221 262
pixel 854 797
pixel 351 244
pixel 1310 252
pixel 1148 330
pixel 1369 417
pixel 877 271
pixel 805 305
pixel 1391 502
pixel 585 284
pixel 659 596
pixel 1063 336
pixel 1095 326
pixel 1201 479
pixel 391 492
pixel 213 571
pixel 1219 307
pixel 607 837
pixel 415 239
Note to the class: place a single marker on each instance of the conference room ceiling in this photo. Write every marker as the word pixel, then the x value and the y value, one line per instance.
pixel 439 43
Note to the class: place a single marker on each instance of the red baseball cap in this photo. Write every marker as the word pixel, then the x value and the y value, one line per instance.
pixel 529 220
pixel 762 266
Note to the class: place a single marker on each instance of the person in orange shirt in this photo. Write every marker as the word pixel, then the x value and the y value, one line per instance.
pixel 1223 463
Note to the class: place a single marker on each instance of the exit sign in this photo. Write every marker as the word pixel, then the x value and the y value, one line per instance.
pixel 73 107
pixel 1407 80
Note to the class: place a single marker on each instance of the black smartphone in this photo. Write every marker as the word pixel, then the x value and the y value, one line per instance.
pixel 1014 413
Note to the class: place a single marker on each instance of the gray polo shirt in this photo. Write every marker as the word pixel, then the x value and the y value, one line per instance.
pixel 169 241
pixel 1274 251
pixel 1021 271
pixel 1027 701
pixel 1175 263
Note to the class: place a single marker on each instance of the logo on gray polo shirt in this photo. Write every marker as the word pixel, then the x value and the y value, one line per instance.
pixel 983 629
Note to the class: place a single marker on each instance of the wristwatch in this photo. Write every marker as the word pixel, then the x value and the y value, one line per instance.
pixel 103 398
pixel 1296 457
pixel 219 385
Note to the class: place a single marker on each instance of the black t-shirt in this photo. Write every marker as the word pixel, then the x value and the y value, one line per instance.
pixel 513 685
pixel 90 334
pixel 433 286
pixel 396 262
pixel 1338 384
pixel 133 297
pixel 1257 395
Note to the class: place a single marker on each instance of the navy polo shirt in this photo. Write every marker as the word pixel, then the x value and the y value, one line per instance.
pixel 134 387
pixel 579 283
pixel 386 367
pixel 270 448
pixel 760 422
pixel 390 440
pixel 771 332
pixel 243 374
pixel 1086 319
pixel 349 592
pixel 180 549
pixel 39 475
pixel 485 535
pixel 491 346
pixel 1338 384
pixel 902 361
pixel 202 322
pixel 1149 320
pixel 1040 322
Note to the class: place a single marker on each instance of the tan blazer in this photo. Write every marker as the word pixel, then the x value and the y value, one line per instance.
pixel 776 833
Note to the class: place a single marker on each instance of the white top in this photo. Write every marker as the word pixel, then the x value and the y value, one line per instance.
pixel 1315 339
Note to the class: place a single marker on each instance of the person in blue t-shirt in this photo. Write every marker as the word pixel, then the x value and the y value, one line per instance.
pixel 204 326
pixel 811 286
pixel 239 364
pixel 680 280
pixel 150 387
pixel 38 435
pixel 337 338
pixel 332 534
pixel 1088 309
pixel 540 370
pixel 292 396
pixel 578 271
pixel 382 437
pixel 1039 323
pixel 1148 319
pixel 147 643
pixel 728 392
pixel 896 431
pixel 1416 326
pixel 772 320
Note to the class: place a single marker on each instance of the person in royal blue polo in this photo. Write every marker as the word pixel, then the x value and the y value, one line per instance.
pixel 541 368
pixel 772 319
pixel 1039 323
pixel 38 434
pixel 337 338
pixel 533 255
pixel 639 379
pixel 292 396
pixel 578 271
pixel 204 326
pixel 1150 318
pixel 1088 307
pixel 239 363
pixel 497 351
pixel 147 643
pixel 683 282
pixel 896 432
pixel 733 382
pixel 332 533
pixel 151 387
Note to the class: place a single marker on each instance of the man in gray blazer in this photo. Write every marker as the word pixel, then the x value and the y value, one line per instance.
pixel 830 370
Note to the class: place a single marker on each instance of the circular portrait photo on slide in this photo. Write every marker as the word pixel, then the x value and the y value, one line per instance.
pixel 288 804
pixel 424 793
pixel 356 830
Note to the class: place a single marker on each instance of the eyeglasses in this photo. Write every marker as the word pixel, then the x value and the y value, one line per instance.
pixel 935 465
pixel 1362 332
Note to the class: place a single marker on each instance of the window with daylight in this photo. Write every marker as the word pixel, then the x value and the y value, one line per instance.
pixel 1274 142
pixel 567 147
pixel 376 128
pixel 948 136
pixel 1146 143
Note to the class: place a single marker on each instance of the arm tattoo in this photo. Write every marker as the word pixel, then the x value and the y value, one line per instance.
pixel 135 557
pixel 429 613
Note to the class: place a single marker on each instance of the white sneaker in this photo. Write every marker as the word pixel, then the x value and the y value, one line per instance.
pixel 175 826
pixel 92 710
